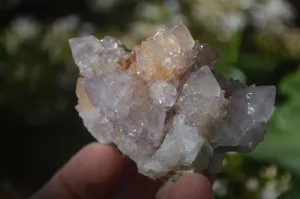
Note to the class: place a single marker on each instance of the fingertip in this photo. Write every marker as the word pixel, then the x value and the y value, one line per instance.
pixel 96 164
pixel 93 155
pixel 189 186
pixel 133 184
pixel 91 173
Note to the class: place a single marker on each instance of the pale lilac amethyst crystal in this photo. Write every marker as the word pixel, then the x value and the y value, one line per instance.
pixel 164 106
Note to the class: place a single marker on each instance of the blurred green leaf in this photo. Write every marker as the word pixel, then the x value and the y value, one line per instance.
pixel 282 148
pixel 256 62
pixel 290 85
pixel 229 56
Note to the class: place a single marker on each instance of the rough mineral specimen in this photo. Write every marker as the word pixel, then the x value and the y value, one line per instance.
pixel 164 106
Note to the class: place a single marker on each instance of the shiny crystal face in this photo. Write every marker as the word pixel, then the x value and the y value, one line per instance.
pixel 164 106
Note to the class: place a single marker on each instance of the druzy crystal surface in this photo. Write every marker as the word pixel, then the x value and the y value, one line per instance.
pixel 164 106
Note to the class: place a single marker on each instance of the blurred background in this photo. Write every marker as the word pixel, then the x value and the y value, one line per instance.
pixel 40 129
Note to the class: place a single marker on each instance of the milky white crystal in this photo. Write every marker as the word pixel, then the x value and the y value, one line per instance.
pixel 94 121
pixel 163 93
pixel 188 139
pixel 248 113
pixel 93 56
pixel 163 105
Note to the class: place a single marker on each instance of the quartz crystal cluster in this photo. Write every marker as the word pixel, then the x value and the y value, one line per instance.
pixel 163 105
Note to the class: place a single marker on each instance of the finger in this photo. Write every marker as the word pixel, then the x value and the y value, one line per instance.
pixel 189 186
pixel 133 185
pixel 89 174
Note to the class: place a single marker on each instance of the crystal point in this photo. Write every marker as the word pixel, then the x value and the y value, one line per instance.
pixel 183 36
pixel 248 112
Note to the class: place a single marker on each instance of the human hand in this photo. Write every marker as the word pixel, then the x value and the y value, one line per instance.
pixel 100 171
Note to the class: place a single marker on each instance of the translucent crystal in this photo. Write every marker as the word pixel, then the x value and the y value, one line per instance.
pixel 152 56
pixel 202 102
pixel 161 56
pixel 202 82
pixel 85 51
pixel 248 113
pixel 94 57
pixel 189 140
pixel 110 93
pixel 163 105
pixel 163 93
pixel 154 123
pixel 171 61
pixel 183 36
pixel 165 159
pixel 97 124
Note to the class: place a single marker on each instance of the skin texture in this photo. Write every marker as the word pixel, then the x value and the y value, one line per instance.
pixel 100 171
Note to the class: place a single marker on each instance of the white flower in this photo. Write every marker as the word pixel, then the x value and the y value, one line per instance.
pixel 66 24
pixel 149 11
pixel 25 28
pixel 273 14
pixel 252 184
pixel 246 4
pixel 269 192
pixel 232 23
pixel 21 29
